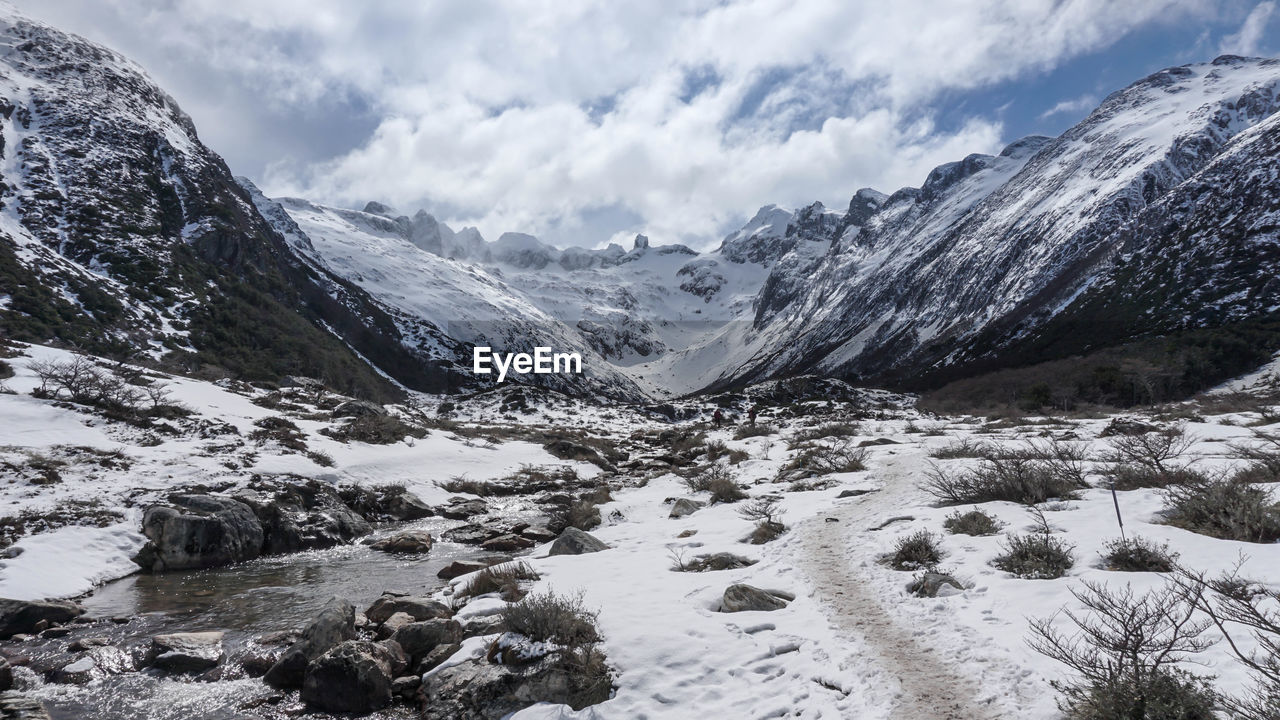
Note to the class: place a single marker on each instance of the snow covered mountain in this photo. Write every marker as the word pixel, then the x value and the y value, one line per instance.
pixel 1157 212
pixel 121 234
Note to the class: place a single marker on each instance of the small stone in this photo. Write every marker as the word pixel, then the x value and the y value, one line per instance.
pixel 745 598
pixel 576 542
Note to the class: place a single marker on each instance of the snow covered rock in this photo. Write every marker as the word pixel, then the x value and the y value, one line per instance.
pixel 304 514
pixel 685 507
pixel 573 541
pixel 745 598
pixel 932 584
pixel 354 677
pixel 334 624
pixel 186 652
pixel 24 617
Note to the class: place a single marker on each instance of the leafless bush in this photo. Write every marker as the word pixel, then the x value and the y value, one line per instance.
pixel 81 381
pixel 548 617
pixel 1138 554
pixel 1154 453
pixel 965 447
pixel 823 459
pixel 758 430
pixel 702 479
pixel 768 518
pixel 836 429
pixel 1263 456
pixel 1012 479
pixel 503 579
pixel 1237 607
pixel 974 522
pixel 1125 655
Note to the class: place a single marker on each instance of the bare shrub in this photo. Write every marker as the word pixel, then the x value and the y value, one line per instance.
pixel 1263 456
pixel 1239 607
pixel 827 430
pixel 823 459
pixel 758 430
pixel 1223 507
pixel 702 479
pixel 768 518
pixel 1125 655
pixel 464 484
pixel 1012 479
pixel 503 579
pixel 547 617
pixel 917 551
pixel 1137 554
pixel 724 490
pixel 1037 556
pixel 965 447
pixel 974 522
pixel 81 381
pixel 374 430
pixel 1149 459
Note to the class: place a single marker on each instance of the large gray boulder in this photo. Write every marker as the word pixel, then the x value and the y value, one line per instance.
pixel 481 690
pixel 745 598
pixel 199 531
pixel 576 542
pixel 354 677
pixel 408 542
pixel 419 608
pixel 186 652
pixel 420 638
pixel 29 617
pixel 685 507
pixel 335 624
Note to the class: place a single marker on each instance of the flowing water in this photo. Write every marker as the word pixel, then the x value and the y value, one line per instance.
pixel 246 601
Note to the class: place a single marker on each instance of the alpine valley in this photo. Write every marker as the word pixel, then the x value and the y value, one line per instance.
pixel 126 236
pixel 1003 445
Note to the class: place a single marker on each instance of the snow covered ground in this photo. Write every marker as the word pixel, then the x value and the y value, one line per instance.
pixel 853 643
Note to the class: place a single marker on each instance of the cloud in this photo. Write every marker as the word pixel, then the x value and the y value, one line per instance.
pixel 1071 107
pixel 1246 41
pixel 581 120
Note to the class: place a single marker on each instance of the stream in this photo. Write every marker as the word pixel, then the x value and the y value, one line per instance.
pixel 248 600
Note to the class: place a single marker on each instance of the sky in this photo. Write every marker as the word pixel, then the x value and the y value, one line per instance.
pixel 588 121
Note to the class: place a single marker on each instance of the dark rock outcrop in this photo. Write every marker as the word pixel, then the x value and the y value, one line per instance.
pixel 199 531
pixel 26 617
pixel 419 608
pixel 335 624
pixel 354 677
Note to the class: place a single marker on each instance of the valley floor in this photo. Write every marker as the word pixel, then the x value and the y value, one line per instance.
pixel 851 642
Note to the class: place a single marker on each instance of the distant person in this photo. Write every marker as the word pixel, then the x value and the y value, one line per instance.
pixel 751 414
pixel 718 417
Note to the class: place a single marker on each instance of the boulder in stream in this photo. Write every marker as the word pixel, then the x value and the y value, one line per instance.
pixel 354 677
pixel 199 531
pixel 419 608
pixel 420 638
pixel 335 624
pixel 27 617
pixel 409 542
pixel 190 652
